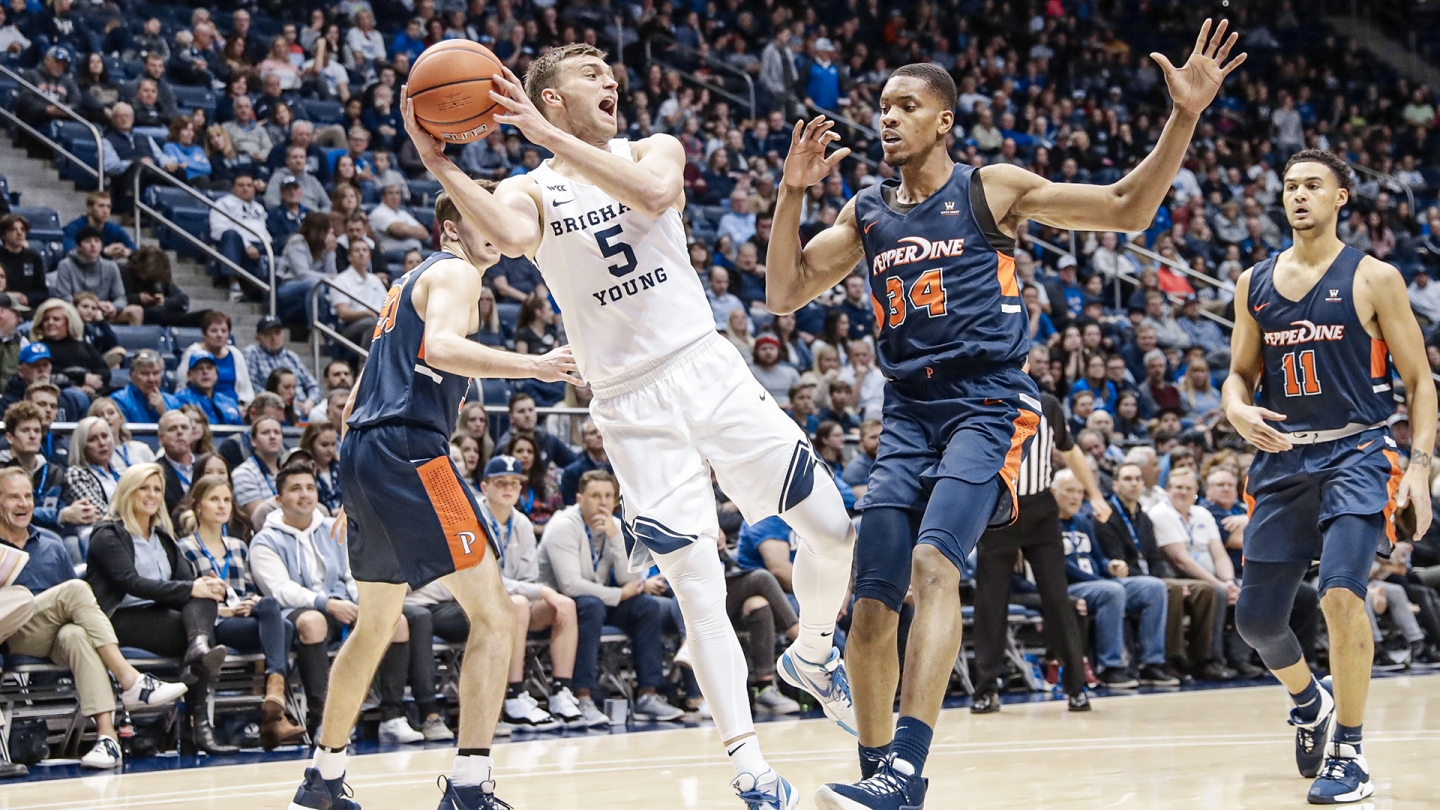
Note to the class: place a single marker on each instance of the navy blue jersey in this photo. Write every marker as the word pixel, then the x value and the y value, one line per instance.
pixel 1322 369
pixel 397 387
pixel 942 281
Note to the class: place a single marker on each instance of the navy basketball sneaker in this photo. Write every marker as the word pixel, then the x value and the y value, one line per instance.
pixel 316 793
pixel 1311 737
pixel 469 797
pixel 1344 778
pixel 894 787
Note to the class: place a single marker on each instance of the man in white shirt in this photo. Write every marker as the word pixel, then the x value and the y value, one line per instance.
pixel 397 228
pixel 722 301
pixel 1425 297
pixel 865 377
pixel 364 44
pixel 739 222
pixel 1144 457
pixel 241 245
pixel 583 556
pixel 358 296
pixel 1189 537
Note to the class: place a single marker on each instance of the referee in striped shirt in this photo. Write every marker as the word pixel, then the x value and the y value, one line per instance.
pixel 1036 532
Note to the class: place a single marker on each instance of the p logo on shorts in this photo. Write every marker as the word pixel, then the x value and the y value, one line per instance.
pixel 457 518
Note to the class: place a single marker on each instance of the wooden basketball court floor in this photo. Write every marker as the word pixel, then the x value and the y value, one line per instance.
pixel 1223 748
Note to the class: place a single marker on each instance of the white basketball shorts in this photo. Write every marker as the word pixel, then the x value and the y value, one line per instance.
pixel 667 425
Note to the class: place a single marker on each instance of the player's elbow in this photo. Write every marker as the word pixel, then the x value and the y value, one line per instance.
pixel 780 301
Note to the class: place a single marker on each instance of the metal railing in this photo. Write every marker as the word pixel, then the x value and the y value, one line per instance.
pixel 711 62
pixel 142 207
pixel 1179 267
pixel 319 329
pixel 98 170
pixel 1388 182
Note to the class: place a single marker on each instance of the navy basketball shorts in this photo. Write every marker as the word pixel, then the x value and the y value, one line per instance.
pixel 973 430
pixel 1295 495
pixel 412 519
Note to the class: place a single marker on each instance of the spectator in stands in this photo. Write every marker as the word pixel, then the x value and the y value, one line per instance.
pixel 278 64
pixel 285 219
pixel 794 351
pixel 841 409
pixel 535 329
pixel 492 332
pixel 592 457
pixel 93 472
pixel 282 384
pixel 24 269
pixel 524 421
pixel 541 496
pixel 1198 395
pixel 154 71
pixel 775 377
pixel 486 159
pixel 115 240
pixel 13 43
pixel 56 85
pixel 226 162
pixel 247 133
pixel 151 286
pixel 234 373
pixel 1167 332
pixel 268 353
pixel 364 46
pixel 219 407
pixel 308 257
pixel 69 628
pixel 236 449
pixel 149 118
pixel 722 301
pixel 1200 331
pixel 297 559
pixel 25 432
pixel 516 279
pixel 856 305
pixel 34 368
pixel 1110 592
pixel 124 151
pixel 56 325
pixel 127 451
pixel 11 341
pixel 1190 539
pixel 322 441
pixel 177 458
pixel 339 377
pixel 154 597
pixel 571 563
pixel 255 478
pixel 84 268
pixel 296 168
pixel 801 407
pixel 857 472
pixel 739 222
pixel 398 229
pixel 738 331
pixel 251 622
pixel 357 296
pixel 1156 392
pixel 1425 298
pixel 184 150
pixel 1129 535
pixel 865 377
pixel 238 228
pixel 834 336
pixel 202 440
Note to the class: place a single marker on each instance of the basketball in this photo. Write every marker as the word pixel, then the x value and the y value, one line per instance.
pixel 450 85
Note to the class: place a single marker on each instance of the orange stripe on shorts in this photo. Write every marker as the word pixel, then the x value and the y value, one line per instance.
pixel 1393 485
pixel 463 533
pixel 1025 426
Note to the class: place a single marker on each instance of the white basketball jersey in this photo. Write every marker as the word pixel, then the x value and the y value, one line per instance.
pixel 623 280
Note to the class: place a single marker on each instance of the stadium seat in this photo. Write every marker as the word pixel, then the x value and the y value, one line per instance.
pixel 324 112
pixel 41 219
pixel 424 192
pixel 509 313
pixel 195 98
pixel 135 338
pixel 183 337
pixel 496 392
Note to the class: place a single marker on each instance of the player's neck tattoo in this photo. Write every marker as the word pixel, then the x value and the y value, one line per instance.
pixel 1420 459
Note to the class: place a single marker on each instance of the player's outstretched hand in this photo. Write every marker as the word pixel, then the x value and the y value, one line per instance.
pixel 1415 490
pixel 430 147
pixel 1249 422
pixel 1194 85
pixel 509 92
pixel 557 365
pixel 806 163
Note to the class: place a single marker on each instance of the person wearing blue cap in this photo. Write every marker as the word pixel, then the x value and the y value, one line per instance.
pixel 53 77
pixel 36 366
pixel 219 408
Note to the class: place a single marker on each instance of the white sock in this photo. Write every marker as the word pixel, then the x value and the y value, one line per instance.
pixel 745 757
pixel 331 764
pixel 823 560
pixel 698 580
pixel 472 770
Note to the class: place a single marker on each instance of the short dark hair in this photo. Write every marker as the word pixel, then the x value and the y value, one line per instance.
pixel 213 317
pixel 592 476
pixel 937 80
pixel 293 468
pixel 545 71
pixel 8 221
pixel 445 209
pixel 516 397
pixel 1336 164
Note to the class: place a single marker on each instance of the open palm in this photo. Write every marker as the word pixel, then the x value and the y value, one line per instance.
pixel 806 164
pixel 1194 85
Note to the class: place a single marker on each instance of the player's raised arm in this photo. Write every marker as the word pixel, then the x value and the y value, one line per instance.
pixel 794 277
pixel 449 289
pixel 1247 363
pixel 1129 204
pixel 509 218
pixel 1407 347
pixel 653 184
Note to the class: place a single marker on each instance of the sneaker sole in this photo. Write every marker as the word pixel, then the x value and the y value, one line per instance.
pixel 827 799
pixel 790 676
pixel 1365 790
pixel 1121 685
pixel 1159 683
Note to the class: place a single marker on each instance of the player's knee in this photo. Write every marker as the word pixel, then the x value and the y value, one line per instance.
pixel 311 627
pixel 931 570
pixel 1260 625
pixel 883 594
pixel 1341 596
pixel 874 622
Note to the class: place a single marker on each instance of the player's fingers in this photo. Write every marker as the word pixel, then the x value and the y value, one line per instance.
pixel 810 128
pixel 573 379
pixel 797 133
pixel 1204 37
pixel 1215 39
pixel 1225 47
pixel 834 160
pixel 1271 415
pixel 1237 62
pixel 1164 62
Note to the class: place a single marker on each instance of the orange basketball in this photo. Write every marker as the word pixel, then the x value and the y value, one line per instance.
pixel 450 85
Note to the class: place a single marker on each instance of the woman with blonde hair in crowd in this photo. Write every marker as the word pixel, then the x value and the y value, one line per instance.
pixel 56 323
pixel 202 441
pixel 127 451
pixel 468 451
pixel 92 474
pixel 321 441
pixel 737 331
pixel 1198 395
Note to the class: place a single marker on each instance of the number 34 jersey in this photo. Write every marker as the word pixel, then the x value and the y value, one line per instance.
pixel 942 281
pixel 623 280
pixel 1322 369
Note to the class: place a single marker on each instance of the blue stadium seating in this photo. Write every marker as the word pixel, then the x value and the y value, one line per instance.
pixel 185 336
pixel 135 338
pixel 509 313
pixel 424 192
pixel 41 219
pixel 192 98
pixel 324 112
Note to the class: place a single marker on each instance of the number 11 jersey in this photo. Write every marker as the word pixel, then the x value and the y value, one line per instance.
pixel 942 282
pixel 623 280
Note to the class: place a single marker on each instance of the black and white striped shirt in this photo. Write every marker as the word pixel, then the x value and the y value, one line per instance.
pixel 1037 469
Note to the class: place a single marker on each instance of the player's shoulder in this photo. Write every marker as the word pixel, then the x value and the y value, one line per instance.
pixel 1373 270
pixel 660 143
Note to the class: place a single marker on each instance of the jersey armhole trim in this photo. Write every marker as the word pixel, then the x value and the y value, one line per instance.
pixel 985 218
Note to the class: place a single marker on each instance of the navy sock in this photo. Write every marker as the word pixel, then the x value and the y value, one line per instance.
pixel 870 760
pixel 1307 703
pixel 912 742
pixel 1349 735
